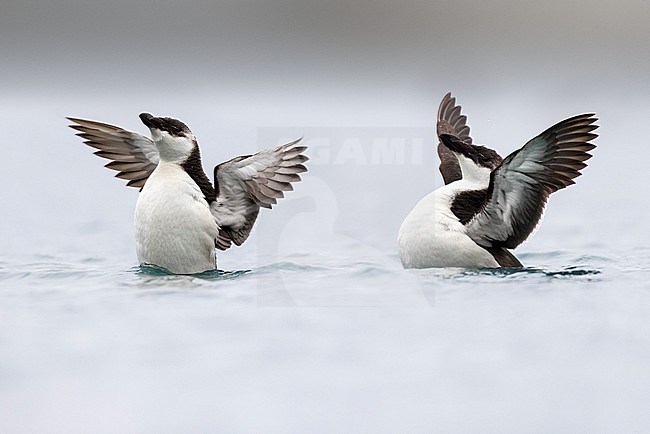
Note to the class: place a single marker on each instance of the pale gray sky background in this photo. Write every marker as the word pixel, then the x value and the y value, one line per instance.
pixel 233 69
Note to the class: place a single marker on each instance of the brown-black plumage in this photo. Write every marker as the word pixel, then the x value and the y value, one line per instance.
pixel 451 121
pixel 504 257
pixel 194 168
pixel 520 186
pixel 132 155
pixel 467 204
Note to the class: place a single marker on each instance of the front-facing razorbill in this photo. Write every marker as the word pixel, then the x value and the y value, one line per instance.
pixel 180 217
pixel 488 204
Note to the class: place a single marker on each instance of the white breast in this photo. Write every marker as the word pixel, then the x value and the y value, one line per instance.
pixel 432 236
pixel 174 227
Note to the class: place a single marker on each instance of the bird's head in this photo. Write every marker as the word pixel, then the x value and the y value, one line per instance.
pixel 476 162
pixel 173 139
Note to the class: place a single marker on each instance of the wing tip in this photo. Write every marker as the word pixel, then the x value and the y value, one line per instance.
pixel 451 119
pixel 76 120
pixel 294 142
pixel 445 102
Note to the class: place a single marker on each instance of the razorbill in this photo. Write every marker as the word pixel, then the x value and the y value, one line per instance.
pixel 489 204
pixel 180 217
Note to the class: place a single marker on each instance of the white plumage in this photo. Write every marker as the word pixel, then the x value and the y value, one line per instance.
pixel 432 236
pixel 174 228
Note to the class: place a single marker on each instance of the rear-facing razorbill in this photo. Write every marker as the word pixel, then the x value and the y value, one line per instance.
pixel 488 204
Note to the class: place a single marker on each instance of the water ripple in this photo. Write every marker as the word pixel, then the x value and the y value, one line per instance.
pixel 152 270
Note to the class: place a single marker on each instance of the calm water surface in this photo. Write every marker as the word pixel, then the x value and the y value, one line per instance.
pixel 316 343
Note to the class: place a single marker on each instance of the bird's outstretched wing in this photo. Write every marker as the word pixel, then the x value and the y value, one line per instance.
pixel 246 183
pixel 133 156
pixel 451 121
pixel 520 185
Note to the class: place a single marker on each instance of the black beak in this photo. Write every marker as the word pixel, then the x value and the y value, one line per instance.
pixel 148 119
pixel 453 143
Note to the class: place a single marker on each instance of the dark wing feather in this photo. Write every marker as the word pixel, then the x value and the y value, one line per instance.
pixel 133 156
pixel 504 257
pixel 520 185
pixel 451 121
pixel 246 183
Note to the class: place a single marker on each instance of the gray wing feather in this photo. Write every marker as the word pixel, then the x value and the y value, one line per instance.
pixel 520 185
pixel 451 121
pixel 133 156
pixel 246 183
